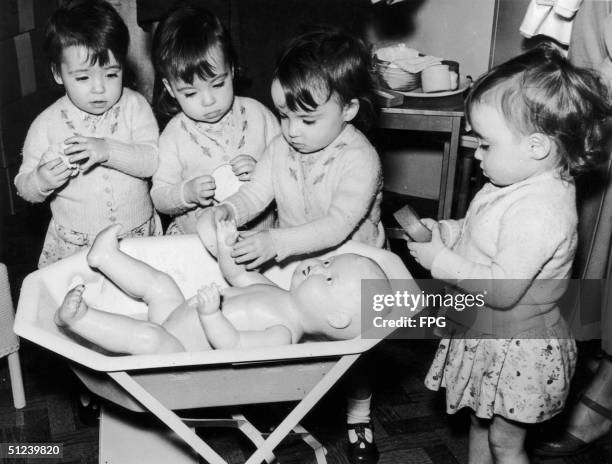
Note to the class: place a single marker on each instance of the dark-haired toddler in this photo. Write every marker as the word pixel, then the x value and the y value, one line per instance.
pixel 214 139
pixel 90 153
pixel 323 174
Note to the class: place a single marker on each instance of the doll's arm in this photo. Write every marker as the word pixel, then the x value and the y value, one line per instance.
pixel 236 274
pixel 222 334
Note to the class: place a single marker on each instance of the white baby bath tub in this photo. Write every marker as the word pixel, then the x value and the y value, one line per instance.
pixel 161 383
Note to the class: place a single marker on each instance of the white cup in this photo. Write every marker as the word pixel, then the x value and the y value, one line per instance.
pixel 438 78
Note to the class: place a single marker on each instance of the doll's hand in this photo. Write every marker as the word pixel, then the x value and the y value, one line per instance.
pixel 52 174
pixel 254 246
pixel 243 166
pixel 200 190
pixel 93 149
pixel 425 253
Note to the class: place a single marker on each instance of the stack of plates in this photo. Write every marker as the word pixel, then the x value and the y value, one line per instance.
pixel 396 78
pixel 392 75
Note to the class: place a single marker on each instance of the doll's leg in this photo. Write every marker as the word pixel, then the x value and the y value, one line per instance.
pixel 136 278
pixel 113 332
pixel 507 441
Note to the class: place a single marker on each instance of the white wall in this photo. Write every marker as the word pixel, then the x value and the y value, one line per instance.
pixel 459 30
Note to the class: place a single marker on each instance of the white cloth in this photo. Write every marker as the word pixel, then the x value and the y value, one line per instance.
pixel 552 18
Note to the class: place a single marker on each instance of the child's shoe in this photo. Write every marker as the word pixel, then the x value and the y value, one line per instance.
pixel 362 448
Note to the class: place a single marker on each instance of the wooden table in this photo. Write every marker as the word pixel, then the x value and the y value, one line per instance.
pixel 441 114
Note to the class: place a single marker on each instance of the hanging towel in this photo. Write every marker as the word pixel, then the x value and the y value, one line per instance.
pixel 552 18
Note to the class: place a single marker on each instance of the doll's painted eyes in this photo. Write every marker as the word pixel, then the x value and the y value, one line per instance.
pixel 329 280
pixel 326 263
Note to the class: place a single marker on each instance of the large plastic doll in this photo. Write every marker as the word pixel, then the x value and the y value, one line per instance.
pixel 323 300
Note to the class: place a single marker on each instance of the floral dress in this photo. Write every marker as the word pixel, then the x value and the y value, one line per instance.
pixel 525 379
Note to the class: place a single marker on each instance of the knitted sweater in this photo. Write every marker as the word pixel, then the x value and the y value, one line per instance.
pixel 509 237
pixel 190 149
pixel 114 192
pixel 323 198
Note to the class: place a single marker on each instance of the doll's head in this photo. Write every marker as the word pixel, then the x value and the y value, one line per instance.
pixel 548 111
pixel 86 42
pixel 193 55
pixel 321 83
pixel 327 293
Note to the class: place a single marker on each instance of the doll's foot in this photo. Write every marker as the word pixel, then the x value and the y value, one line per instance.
pixel 209 300
pixel 73 307
pixel 227 232
pixel 104 244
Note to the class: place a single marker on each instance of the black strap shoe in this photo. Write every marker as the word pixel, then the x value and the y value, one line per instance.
pixel 362 451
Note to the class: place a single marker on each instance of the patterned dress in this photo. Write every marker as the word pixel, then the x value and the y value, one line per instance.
pixel 522 232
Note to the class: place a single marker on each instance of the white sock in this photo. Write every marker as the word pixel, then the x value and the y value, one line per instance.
pixel 358 411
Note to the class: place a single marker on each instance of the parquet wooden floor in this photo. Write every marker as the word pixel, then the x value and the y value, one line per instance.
pixel 411 425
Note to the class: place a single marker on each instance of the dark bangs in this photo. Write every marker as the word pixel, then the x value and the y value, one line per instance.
pixel 323 63
pixel 187 42
pixel 303 89
pixel 95 25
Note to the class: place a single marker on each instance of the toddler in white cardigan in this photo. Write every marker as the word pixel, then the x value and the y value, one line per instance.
pixel 323 174
pixel 91 151
pixel 539 120
pixel 213 141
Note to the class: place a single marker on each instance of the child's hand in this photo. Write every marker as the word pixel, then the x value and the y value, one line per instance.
pixel 93 149
pixel 254 246
pixel 425 253
pixel 243 166
pixel 200 190
pixel 52 174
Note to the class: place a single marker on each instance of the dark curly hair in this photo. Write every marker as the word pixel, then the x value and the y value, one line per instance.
pixel 541 91
pixel 330 62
